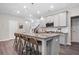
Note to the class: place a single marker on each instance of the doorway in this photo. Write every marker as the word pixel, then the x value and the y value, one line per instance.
pixel 13 26
pixel 75 29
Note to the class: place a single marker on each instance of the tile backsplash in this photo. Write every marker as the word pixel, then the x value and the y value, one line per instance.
pixel 64 30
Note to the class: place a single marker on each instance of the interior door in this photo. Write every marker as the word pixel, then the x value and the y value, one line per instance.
pixel 13 25
pixel 75 29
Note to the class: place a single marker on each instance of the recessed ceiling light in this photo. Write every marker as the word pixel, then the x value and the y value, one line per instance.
pixel 51 6
pixel 38 12
pixel 26 22
pixel 25 7
pixel 18 12
pixel 32 20
pixel 42 18
pixel 30 15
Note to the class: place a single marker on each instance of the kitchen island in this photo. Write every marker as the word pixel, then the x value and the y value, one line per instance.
pixel 50 42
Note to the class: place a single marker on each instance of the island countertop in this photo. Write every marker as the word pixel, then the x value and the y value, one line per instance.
pixel 42 35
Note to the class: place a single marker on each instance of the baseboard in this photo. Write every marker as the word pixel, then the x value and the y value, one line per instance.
pixel 64 45
pixel 6 39
pixel 75 43
pixel 68 44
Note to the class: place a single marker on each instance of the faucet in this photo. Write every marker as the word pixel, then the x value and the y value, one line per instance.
pixel 59 29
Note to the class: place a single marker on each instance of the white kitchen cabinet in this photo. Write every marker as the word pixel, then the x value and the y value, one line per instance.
pixel 62 19
pixel 56 20
pixel 50 19
pixel 59 19
pixel 62 39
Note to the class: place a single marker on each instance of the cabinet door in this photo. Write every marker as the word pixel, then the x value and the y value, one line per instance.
pixel 62 18
pixel 56 20
pixel 62 39
pixel 50 19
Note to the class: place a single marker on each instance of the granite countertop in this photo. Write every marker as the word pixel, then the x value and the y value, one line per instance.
pixel 46 35
pixel 42 35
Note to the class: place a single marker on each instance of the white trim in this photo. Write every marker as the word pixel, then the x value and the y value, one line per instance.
pixel 68 43
pixel 6 39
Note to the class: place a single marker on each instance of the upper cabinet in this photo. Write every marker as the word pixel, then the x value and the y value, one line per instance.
pixel 50 19
pixel 56 20
pixel 60 19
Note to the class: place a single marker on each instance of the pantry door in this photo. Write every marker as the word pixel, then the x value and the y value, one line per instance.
pixel 75 29
pixel 13 26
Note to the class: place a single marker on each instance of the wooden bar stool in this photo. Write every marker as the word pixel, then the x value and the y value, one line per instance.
pixel 25 43
pixel 16 41
pixel 33 46
pixel 18 44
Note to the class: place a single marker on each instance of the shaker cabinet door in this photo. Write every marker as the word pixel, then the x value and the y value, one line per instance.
pixel 56 20
pixel 62 18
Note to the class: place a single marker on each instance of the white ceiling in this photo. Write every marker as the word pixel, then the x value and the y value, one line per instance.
pixel 44 8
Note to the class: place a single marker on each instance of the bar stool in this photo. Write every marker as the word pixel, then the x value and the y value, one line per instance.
pixel 18 44
pixel 15 45
pixel 33 46
pixel 25 43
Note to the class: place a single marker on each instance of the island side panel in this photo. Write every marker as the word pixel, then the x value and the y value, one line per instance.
pixel 53 46
pixel 44 47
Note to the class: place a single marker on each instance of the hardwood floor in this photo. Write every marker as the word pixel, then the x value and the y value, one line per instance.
pixel 6 48
pixel 70 50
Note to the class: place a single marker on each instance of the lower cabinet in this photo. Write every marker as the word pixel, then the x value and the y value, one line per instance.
pixel 53 46
pixel 63 39
pixel 60 19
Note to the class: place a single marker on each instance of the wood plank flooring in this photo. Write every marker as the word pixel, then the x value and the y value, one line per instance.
pixel 70 50
pixel 6 48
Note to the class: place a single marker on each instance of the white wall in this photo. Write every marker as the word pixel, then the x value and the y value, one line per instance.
pixel 74 12
pixel 7 26
pixel 4 28
pixel 13 26
pixel 10 24
pixel 26 27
